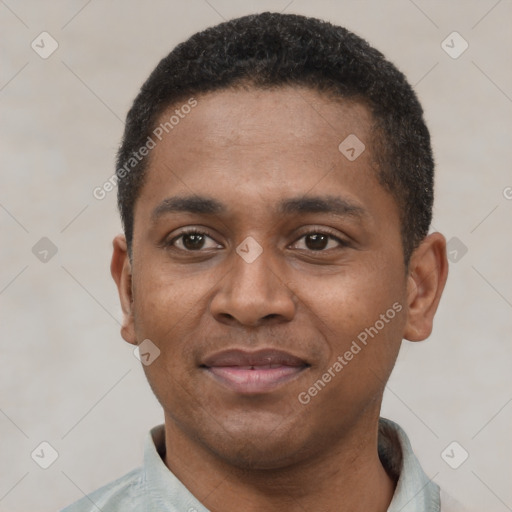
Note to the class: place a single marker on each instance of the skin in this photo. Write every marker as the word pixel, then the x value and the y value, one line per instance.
pixel 250 149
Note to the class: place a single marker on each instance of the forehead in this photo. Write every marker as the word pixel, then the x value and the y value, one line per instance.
pixel 261 132
pixel 277 116
pixel 262 146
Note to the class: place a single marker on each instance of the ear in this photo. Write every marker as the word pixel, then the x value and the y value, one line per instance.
pixel 428 271
pixel 121 270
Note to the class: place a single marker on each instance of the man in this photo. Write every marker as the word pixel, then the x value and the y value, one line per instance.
pixel 276 188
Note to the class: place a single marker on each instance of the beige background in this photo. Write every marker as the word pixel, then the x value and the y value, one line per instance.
pixel 66 375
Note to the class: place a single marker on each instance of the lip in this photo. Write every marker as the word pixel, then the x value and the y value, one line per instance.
pixel 256 372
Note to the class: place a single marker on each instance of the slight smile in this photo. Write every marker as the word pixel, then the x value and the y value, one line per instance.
pixel 254 372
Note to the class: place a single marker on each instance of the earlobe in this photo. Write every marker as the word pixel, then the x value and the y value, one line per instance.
pixel 428 271
pixel 121 270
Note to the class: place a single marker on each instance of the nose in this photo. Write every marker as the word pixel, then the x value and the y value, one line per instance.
pixel 253 294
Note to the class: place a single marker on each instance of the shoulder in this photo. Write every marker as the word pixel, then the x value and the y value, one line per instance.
pixel 126 493
pixel 449 504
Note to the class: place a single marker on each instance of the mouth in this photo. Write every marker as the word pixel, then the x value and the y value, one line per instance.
pixel 254 372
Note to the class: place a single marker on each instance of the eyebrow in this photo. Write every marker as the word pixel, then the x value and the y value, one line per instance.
pixel 321 204
pixel 300 205
pixel 189 204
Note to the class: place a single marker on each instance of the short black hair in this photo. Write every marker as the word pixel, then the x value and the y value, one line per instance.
pixel 269 50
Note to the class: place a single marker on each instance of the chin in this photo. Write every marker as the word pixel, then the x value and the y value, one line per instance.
pixel 257 445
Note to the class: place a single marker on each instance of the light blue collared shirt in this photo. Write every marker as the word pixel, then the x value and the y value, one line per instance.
pixel 154 488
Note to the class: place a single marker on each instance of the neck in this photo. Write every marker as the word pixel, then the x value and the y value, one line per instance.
pixel 348 475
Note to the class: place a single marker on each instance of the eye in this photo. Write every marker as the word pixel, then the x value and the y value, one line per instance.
pixel 320 241
pixel 192 240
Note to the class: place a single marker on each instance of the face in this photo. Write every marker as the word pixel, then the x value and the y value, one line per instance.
pixel 268 270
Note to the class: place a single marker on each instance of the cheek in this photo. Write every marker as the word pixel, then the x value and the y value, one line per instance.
pixel 167 305
pixel 351 299
pixel 167 312
pixel 361 317
pixel 361 324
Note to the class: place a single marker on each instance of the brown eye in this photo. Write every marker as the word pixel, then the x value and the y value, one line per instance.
pixel 316 241
pixel 319 242
pixel 193 241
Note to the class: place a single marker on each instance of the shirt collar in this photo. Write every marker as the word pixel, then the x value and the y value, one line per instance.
pixel 414 492
pixel 165 492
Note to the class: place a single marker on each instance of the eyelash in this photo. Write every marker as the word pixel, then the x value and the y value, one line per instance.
pixel 193 231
